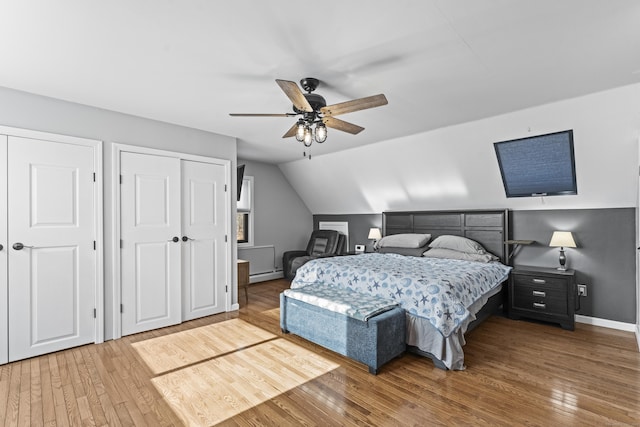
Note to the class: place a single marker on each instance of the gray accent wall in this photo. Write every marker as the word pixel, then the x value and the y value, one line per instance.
pixel 359 226
pixel 604 259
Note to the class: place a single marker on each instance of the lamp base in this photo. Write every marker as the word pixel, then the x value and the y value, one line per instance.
pixel 563 260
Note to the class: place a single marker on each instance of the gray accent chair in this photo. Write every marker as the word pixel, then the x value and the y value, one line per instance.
pixel 323 243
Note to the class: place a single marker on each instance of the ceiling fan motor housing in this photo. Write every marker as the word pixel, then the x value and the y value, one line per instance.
pixel 316 101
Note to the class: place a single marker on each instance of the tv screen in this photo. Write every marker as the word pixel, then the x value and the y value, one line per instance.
pixel 542 165
pixel 240 171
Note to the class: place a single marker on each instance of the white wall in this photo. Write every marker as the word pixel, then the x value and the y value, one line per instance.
pixel 23 110
pixel 456 167
pixel 280 216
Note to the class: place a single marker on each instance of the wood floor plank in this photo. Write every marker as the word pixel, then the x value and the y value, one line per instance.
pixel 13 401
pixel 241 364
pixel 48 406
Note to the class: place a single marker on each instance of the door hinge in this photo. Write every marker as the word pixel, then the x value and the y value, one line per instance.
pixel 226 289
pixel 225 238
pixel 225 188
pixel 121 308
pixel 121 243
pixel 94 177
pixel 120 179
pixel 94 245
pixel 94 313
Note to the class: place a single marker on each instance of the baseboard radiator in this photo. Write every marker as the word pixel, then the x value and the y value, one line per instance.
pixel 262 262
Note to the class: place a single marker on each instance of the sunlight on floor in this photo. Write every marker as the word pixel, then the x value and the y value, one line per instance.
pixel 211 373
pixel 274 313
pixel 180 349
pixel 564 400
pixel 215 390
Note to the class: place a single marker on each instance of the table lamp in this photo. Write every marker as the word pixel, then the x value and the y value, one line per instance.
pixel 374 235
pixel 562 239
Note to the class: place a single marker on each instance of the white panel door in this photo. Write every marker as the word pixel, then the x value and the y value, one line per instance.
pixel 151 245
pixel 52 277
pixel 4 325
pixel 203 231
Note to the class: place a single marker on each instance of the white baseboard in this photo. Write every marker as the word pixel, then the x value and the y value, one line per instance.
pixel 606 323
pixel 235 307
pixel 638 335
pixel 263 277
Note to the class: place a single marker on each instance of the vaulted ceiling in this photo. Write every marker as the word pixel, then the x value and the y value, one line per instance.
pixel 439 63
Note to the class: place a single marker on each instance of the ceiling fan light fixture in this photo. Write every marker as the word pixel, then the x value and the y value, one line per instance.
pixel 300 130
pixel 308 137
pixel 321 133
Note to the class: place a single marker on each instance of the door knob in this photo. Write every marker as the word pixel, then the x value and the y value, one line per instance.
pixel 19 246
pixel 185 238
pixel 1 247
pixel 175 239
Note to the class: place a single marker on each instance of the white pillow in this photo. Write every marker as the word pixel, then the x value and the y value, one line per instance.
pixel 409 240
pixel 457 243
pixel 451 254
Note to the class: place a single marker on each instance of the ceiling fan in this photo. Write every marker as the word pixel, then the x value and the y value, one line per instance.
pixel 315 114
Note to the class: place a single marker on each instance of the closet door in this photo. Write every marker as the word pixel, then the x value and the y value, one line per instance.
pixel 151 244
pixel 203 231
pixel 4 325
pixel 52 262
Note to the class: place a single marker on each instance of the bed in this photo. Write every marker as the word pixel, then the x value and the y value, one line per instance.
pixel 443 298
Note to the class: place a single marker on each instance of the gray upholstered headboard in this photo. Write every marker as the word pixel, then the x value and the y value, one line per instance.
pixel 490 228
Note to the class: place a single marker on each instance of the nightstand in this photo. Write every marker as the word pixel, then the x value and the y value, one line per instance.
pixel 541 293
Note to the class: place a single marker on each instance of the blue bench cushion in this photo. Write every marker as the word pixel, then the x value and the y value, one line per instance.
pixel 342 300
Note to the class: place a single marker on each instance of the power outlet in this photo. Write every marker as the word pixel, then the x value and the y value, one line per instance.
pixel 582 290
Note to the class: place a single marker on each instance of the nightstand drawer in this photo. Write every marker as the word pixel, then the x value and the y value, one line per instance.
pixel 542 301
pixel 543 282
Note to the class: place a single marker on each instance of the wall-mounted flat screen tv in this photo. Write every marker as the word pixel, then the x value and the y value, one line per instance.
pixel 240 177
pixel 542 165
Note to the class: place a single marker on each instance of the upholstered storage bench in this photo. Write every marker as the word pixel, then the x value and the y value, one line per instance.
pixel 345 321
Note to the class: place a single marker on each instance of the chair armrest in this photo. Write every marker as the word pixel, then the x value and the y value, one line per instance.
pixel 287 258
pixel 289 255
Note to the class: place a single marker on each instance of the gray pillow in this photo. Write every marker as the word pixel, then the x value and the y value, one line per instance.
pixel 404 251
pixel 407 240
pixel 466 256
pixel 457 243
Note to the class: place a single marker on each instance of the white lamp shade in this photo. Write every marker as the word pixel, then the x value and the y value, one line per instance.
pixel 562 239
pixel 374 234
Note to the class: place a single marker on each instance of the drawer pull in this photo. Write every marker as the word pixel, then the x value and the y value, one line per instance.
pixel 541 281
pixel 539 294
pixel 539 305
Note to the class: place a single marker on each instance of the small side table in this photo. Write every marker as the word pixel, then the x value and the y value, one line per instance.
pixel 541 293
pixel 243 278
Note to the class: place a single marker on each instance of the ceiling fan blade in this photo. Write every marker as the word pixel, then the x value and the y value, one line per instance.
pixel 338 124
pixel 262 115
pixel 354 105
pixel 294 93
pixel 291 132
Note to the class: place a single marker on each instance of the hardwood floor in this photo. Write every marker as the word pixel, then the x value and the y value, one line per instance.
pixel 239 369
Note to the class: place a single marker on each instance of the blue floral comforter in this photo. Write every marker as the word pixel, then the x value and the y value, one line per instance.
pixel 440 290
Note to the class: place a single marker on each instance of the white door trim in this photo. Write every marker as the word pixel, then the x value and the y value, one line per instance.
pixel 637 184
pixel 116 149
pixel 98 206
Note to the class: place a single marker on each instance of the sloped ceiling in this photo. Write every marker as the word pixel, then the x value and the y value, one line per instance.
pixel 191 62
